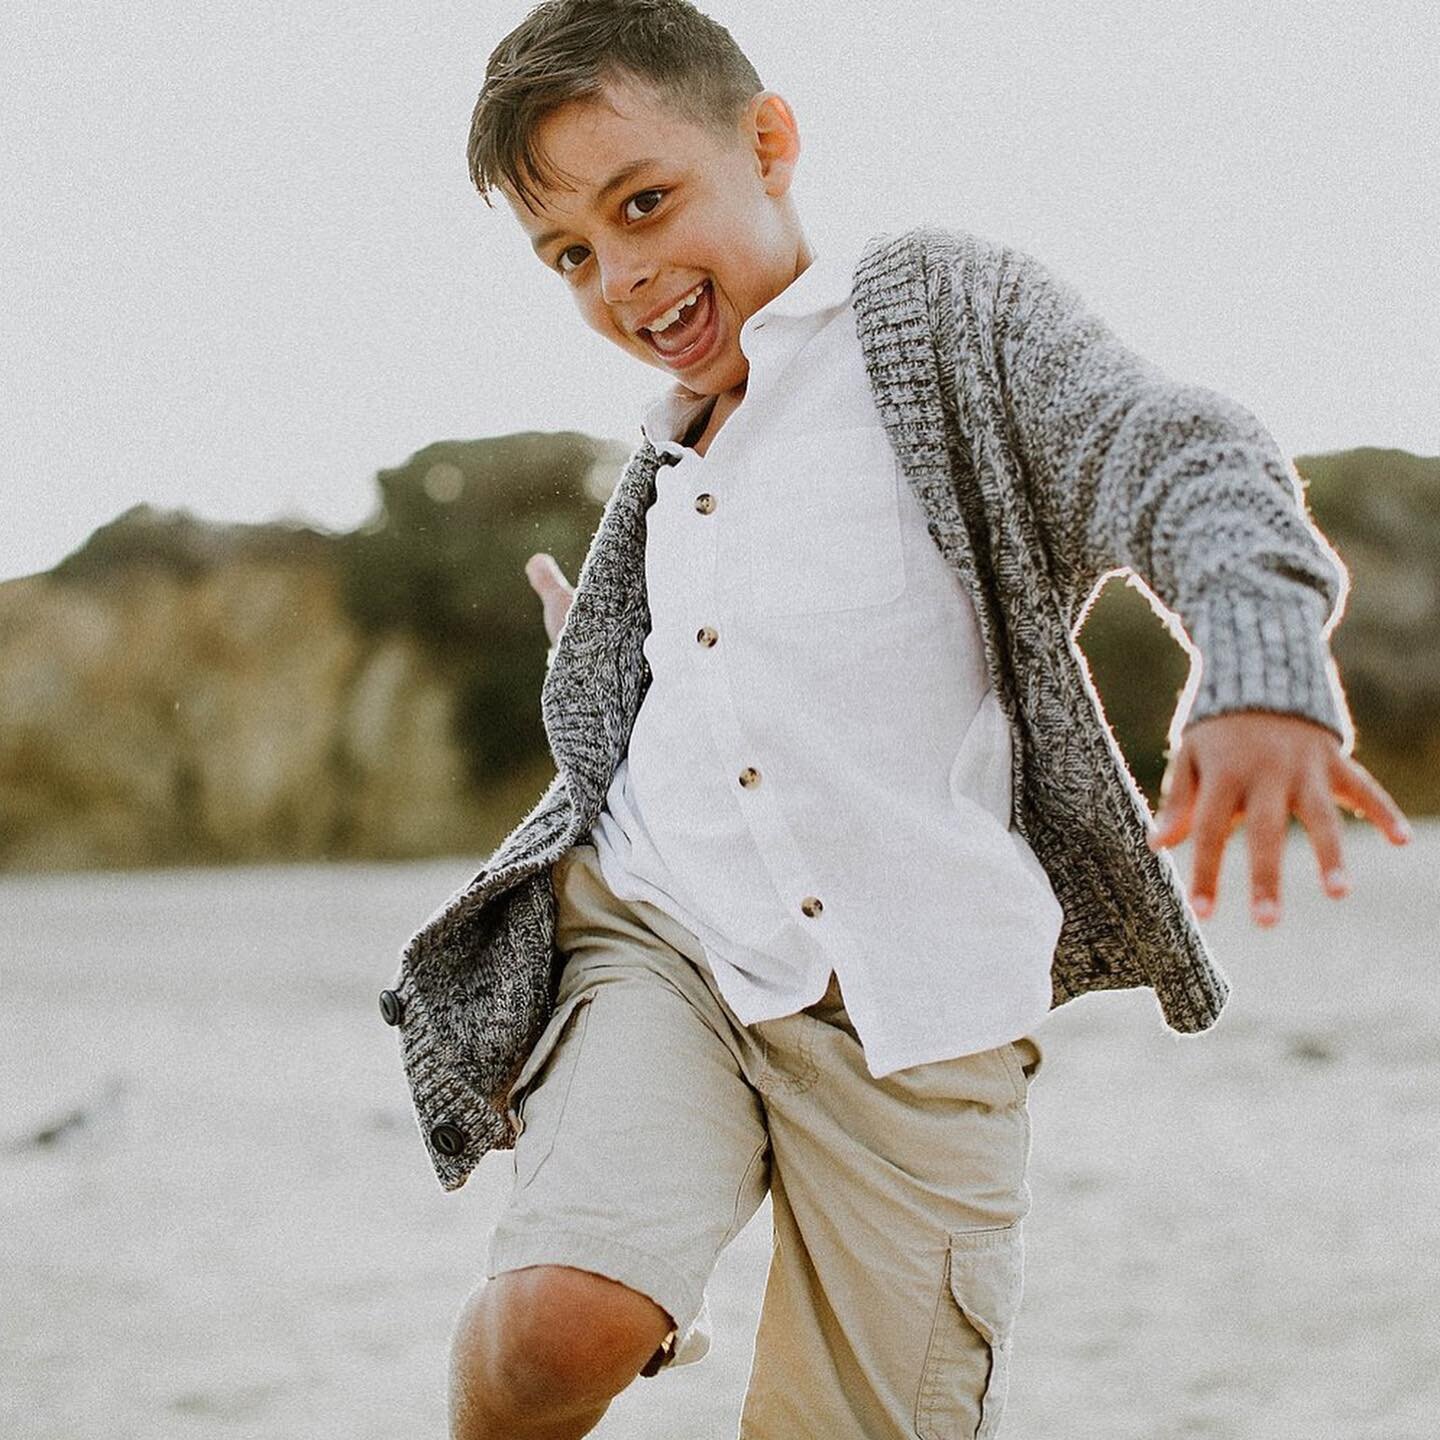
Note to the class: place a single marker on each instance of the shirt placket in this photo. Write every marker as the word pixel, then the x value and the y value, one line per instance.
pixel 745 770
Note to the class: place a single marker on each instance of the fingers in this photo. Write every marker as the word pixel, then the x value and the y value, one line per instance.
pixel 1210 809
pixel 1260 768
pixel 555 591
pixel 1267 817
pixel 546 576
pixel 1354 785
pixel 1217 813
pixel 1318 814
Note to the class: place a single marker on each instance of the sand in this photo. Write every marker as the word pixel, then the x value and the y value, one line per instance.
pixel 232 1228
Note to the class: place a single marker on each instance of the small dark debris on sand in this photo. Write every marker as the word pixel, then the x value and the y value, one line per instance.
pixel 1313 1048
pixel 98 1109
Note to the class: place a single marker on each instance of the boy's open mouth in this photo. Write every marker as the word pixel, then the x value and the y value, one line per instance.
pixel 689 337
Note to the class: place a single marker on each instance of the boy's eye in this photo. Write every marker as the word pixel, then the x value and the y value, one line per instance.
pixel 643 195
pixel 560 261
pixel 575 254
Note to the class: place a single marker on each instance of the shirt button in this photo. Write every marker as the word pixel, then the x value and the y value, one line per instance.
pixel 749 776
pixel 448 1139
pixel 706 635
pixel 705 503
pixel 811 905
pixel 392 1007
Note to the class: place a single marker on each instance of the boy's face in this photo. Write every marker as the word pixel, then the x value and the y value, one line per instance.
pixel 661 206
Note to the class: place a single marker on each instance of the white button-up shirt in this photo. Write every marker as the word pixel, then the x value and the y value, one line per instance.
pixel 819 715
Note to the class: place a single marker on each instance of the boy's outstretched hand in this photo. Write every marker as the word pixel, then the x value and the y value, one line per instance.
pixel 1260 766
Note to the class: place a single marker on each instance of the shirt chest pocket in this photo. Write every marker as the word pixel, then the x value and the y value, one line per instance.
pixel 825 530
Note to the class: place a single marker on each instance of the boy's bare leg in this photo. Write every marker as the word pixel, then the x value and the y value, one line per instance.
pixel 539 1353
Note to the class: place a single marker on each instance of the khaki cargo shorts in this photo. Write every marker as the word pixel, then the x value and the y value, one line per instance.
pixel 654 1122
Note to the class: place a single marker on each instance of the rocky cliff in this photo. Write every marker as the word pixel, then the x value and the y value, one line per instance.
pixel 177 691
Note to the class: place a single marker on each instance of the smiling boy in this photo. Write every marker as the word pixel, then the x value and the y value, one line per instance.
pixel 836 818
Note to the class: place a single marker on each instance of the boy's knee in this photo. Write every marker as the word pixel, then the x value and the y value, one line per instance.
pixel 550 1339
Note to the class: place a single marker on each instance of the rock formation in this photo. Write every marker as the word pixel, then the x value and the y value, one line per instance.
pixel 177 691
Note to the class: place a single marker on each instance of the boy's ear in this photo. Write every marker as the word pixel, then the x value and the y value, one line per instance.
pixel 773 135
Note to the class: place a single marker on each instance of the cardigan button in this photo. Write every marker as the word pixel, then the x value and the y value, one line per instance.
pixel 706 635
pixel 448 1139
pixel 705 503
pixel 392 1007
pixel 811 905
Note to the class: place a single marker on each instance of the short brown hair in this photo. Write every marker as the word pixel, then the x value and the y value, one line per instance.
pixel 568 49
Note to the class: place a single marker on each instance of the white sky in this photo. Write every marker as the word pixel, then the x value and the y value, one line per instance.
pixel 242 267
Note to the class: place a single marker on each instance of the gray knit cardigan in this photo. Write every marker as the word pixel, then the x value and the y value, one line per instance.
pixel 1046 456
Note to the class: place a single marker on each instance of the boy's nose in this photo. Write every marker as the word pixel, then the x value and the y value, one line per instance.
pixel 619 283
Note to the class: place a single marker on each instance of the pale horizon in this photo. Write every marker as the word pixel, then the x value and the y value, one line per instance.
pixel 246 269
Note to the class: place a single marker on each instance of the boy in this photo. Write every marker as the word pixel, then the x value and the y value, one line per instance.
pixel 836 818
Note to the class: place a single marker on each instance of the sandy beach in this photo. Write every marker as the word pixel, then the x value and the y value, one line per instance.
pixel 220 1220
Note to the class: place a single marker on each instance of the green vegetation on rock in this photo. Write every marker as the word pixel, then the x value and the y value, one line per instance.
pixel 444 558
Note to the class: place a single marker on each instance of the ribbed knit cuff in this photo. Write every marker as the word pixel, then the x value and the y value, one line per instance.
pixel 1266 653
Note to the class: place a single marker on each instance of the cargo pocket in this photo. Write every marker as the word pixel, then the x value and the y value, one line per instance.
pixel 967 1366
pixel 537 1098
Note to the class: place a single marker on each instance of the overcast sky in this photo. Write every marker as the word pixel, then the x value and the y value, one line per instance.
pixel 243 267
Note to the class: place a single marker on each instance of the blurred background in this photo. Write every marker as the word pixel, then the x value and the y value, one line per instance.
pixel 286 409
pixel 184 691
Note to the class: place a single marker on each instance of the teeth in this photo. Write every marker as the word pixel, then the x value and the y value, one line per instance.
pixel 665 321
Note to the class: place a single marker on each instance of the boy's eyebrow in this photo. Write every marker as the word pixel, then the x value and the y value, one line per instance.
pixel 624 173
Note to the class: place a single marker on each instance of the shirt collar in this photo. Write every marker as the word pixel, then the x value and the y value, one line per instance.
pixel 823 286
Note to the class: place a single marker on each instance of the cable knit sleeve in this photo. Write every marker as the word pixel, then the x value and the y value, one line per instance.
pixel 1129 469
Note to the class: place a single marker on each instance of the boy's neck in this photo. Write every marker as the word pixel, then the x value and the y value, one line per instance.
pixel 709 421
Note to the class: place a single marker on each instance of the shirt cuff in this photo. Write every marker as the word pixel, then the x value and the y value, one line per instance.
pixel 1264 653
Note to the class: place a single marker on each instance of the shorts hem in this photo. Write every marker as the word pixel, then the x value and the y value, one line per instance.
pixel 649 1274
